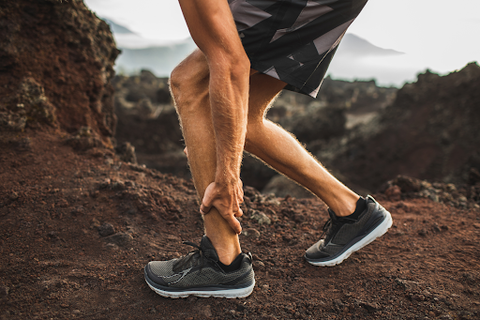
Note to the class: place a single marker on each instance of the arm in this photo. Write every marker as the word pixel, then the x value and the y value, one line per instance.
pixel 213 29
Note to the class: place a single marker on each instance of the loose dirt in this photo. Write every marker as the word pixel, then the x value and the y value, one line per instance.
pixel 77 228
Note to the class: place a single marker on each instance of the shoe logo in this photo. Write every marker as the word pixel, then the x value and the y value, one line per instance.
pixel 334 244
pixel 176 277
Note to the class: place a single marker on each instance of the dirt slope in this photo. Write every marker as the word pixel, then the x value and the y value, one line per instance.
pixel 77 229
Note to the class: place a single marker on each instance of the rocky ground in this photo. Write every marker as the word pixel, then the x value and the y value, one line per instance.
pixel 79 226
pixel 79 218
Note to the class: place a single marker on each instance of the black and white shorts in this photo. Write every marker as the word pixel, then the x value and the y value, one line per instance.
pixel 293 40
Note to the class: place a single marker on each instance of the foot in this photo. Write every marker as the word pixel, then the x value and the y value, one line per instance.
pixel 344 235
pixel 199 273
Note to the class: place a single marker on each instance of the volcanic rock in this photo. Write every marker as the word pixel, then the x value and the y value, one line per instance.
pixel 429 132
pixel 62 80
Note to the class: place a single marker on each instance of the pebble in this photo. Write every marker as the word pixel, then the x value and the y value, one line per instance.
pixel 105 184
pixel 436 228
pixel 251 233
pixel 407 284
pixel 129 184
pixel 417 297
pixel 118 185
pixel 106 229
pixel 14 196
pixel 260 217
pixel 138 168
pixel 207 311
pixel 121 239
pixel 370 306
pixel 422 232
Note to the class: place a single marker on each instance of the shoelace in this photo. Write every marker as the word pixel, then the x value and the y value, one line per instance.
pixel 326 228
pixel 196 254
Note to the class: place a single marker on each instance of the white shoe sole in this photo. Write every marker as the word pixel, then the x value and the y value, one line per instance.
pixel 229 293
pixel 379 231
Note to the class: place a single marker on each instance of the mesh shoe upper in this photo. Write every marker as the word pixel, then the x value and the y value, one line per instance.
pixel 199 269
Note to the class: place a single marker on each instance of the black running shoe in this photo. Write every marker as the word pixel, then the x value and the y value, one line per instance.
pixel 199 274
pixel 344 235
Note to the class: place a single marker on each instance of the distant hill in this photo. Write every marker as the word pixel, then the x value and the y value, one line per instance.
pixel 139 53
pixel 160 60
pixel 354 45
pixel 356 58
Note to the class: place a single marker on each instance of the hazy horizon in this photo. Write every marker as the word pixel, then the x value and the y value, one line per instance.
pixel 434 35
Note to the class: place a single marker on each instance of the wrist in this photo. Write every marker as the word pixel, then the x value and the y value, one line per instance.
pixel 227 179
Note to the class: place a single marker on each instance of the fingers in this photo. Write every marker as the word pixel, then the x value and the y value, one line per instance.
pixel 205 209
pixel 227 206
pixel 231 220
pixel 239 213
pixel 234 224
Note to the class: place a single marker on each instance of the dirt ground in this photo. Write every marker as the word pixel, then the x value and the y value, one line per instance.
pixel 78 228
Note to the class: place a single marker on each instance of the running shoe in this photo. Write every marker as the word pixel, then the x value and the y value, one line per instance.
pixel 344 235
pixel 200 274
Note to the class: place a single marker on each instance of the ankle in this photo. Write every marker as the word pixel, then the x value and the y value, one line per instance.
pixel 223 238
pixel 347 208
pixel 227 251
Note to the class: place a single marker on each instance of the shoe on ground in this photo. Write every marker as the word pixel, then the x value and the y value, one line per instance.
pixel 199 274
pixel 344 235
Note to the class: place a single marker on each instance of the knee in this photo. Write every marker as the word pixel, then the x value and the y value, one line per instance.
pixel 180 85
pixel 189 83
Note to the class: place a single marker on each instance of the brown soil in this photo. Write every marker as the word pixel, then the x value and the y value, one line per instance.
pixel 55 205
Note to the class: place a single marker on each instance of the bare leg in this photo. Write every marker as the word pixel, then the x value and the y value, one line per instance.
pixel 212 28
pixel 210 90
pixel 189 85
pixel 284 153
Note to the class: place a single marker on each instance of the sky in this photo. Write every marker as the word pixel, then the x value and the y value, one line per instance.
pixel 437 34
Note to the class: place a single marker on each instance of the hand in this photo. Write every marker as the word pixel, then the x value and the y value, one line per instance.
pixel 226 199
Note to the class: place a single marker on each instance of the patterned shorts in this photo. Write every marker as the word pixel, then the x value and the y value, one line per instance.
pixel 293 40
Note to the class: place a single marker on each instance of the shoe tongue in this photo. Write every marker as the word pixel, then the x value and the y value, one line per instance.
pixel 208 249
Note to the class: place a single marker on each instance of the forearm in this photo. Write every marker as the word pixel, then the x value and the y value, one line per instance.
pixel 229 104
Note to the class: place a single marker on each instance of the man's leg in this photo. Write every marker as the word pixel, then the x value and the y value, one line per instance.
pixel 210 89
pixel 283 152
pixel 212 28
pixel 189 84
pixel 354 222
